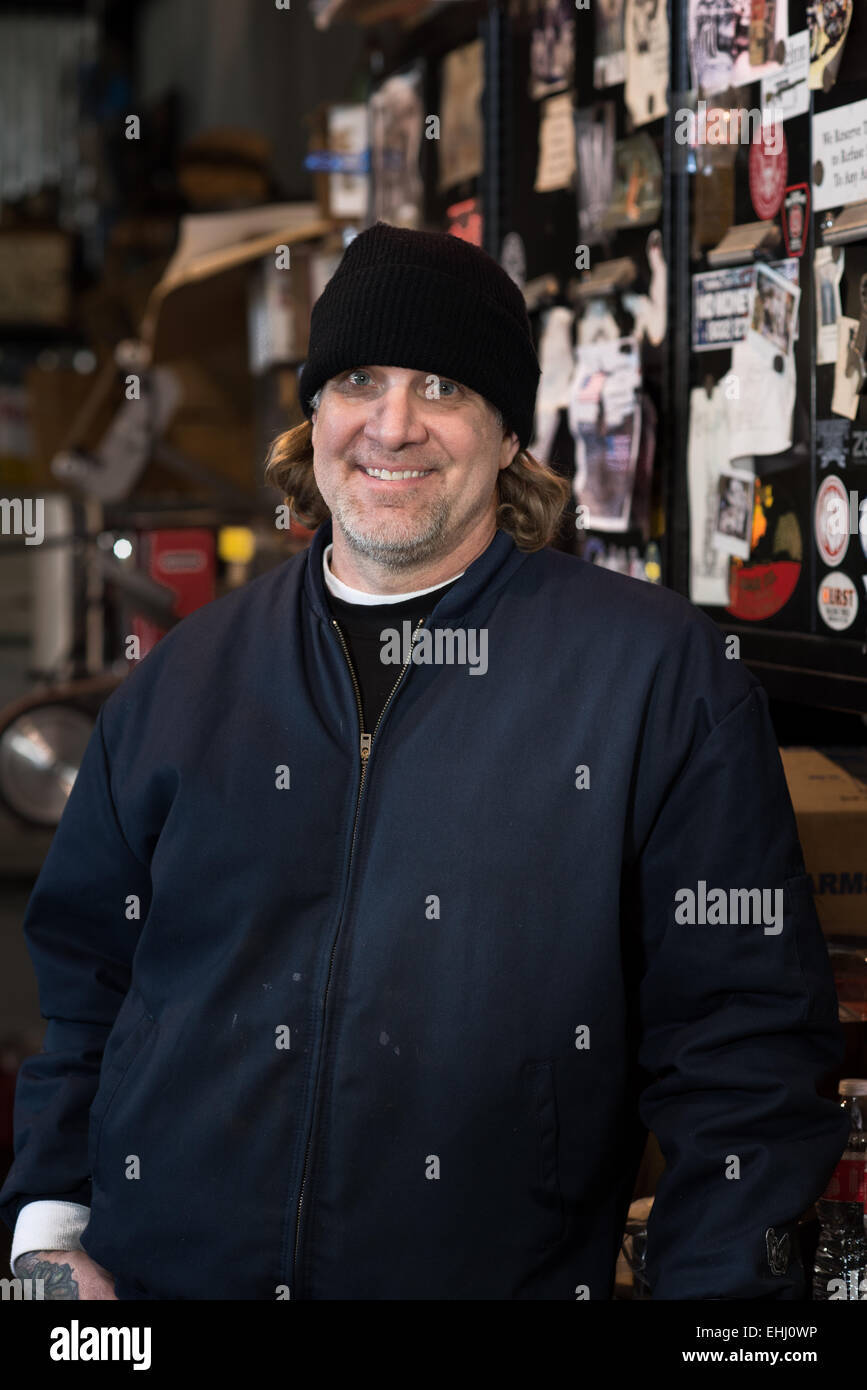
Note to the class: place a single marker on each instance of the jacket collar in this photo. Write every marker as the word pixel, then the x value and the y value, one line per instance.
pixel 487 573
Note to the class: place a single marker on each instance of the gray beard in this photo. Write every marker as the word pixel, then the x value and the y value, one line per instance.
pixel 395 553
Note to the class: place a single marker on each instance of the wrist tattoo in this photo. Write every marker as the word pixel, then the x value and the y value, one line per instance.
pixel 60 1283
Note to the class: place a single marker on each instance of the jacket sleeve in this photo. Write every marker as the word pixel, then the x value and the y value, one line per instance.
pixel 81 938
pixel 739 1022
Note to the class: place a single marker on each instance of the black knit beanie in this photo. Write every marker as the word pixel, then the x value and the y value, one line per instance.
pixel 431 302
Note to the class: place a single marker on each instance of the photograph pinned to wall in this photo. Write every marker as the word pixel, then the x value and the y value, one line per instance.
pixel 461 129
pixel 605 421
pixel 636 197
pixel 828 22
pixel 761 586
pixel 647 59
pixel 552 48
pixel 734 41
pixel 594 158
pixel 396 123
pixel 828 265
pixel 733 524
pixel 555 167
pixel 773 312
pixel 847 391
pixel 609 63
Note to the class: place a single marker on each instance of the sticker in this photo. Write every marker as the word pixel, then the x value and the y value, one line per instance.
pixel 828 22
pixel 760 587
pixel 796 213
pixel 787 91
pixel 769 166
pixel 831 520
pixel 832 443
pixel 837 600
pixel 721 303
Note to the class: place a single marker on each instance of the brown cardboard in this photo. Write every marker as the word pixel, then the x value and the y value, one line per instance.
pixel 831 809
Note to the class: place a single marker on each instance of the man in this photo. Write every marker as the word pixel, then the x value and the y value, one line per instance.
pixel 401 891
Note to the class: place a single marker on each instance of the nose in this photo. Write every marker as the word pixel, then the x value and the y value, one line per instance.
pixel 395 419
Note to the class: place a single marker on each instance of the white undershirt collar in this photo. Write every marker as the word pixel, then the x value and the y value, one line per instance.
pixel 337 587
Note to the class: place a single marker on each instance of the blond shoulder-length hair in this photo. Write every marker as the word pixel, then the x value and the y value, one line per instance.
pixel 530 495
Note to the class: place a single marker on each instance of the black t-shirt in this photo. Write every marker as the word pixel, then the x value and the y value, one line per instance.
pixel 361 625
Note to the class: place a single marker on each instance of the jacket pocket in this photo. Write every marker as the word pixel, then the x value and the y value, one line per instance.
pixel 133 1027
pixel 539 1079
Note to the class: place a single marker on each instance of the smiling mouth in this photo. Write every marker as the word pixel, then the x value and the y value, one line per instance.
pixel 397 475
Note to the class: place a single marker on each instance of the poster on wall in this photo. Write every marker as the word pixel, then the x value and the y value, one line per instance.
pixel 552 48
pixel 734 41
pixel 721 303
pixel 555 167
pixel 461 130
pixel 594 153
pixel 396 123
pixel 647 60
pixel 609 63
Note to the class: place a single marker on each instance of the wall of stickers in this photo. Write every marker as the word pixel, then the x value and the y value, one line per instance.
pixel 681 192
pixel 775 412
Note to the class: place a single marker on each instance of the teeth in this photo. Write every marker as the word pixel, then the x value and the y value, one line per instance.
pixel 407 473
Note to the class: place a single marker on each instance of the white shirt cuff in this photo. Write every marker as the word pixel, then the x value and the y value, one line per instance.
pixel 48 1225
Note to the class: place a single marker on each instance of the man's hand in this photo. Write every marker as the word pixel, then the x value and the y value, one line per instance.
pixel 68 1274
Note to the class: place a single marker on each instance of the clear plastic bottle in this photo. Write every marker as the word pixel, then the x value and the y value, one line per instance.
pixel 840 1270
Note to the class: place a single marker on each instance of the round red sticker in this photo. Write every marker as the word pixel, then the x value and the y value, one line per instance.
pixel 769 167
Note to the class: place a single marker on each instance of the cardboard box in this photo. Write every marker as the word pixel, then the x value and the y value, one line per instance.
pixel 830 802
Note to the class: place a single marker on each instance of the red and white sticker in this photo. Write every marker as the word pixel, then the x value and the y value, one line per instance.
pixel 838 601
pixel 769 167
pixel 831 520
pixel 796 214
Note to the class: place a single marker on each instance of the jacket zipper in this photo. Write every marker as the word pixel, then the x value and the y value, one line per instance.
pixel 365 745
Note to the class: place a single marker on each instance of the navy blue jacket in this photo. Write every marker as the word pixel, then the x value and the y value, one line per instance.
pixel 320 1034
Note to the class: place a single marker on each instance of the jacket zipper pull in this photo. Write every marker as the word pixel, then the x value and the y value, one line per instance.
pixel 365 748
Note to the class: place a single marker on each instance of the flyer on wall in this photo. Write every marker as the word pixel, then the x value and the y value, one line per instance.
pixel 605 420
